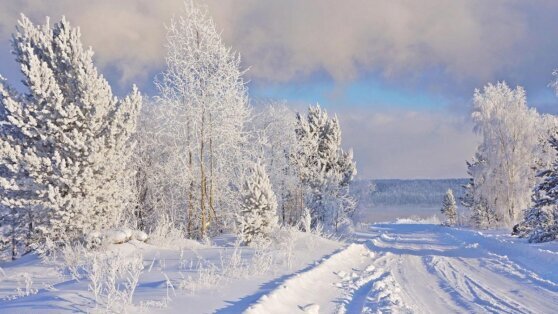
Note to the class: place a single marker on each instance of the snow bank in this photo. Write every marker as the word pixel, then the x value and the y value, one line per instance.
pixel 433 220
pixel 116 236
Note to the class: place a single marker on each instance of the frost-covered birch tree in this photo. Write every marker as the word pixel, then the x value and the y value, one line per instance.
pixel 65 142
pixel 205 104
pixel 509 131
pixel 274 129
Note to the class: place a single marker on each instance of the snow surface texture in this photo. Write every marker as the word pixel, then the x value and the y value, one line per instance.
pixel 423 268
pixel 401 268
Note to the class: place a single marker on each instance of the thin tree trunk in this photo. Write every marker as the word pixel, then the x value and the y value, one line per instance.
pixel 190 197
pixel 190 205
pixel 211 178
pixel 13 237
pixel 203 179
pixel 29 230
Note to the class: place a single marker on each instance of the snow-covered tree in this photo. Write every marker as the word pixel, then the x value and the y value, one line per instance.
pixel 481 215
pixel 541 220
pixel 205 104
pixel 449 208
pixel 274 129
pixel 509 145
pixel 325 170
pixel 65 143
pixel 258 214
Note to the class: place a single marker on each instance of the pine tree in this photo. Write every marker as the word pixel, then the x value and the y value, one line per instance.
pixel 64 145
pixel 449 208
pixel 540 223
pixel 325 170
pixel 258 215
pixel 482 215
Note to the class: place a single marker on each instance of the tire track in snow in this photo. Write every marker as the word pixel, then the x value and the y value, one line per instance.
pixel 438 272
pixel 321 288
pixel 418 269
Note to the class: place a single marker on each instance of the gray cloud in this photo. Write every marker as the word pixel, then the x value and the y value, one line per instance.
pixel 438 43
pixel 407 144
pixel 126 35
pixel 290 39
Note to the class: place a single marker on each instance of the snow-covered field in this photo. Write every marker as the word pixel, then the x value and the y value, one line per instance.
pixel 391 267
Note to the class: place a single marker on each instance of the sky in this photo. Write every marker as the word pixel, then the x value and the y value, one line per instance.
pixel 399 74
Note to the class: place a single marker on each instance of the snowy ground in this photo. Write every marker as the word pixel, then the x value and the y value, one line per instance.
pixel 415 268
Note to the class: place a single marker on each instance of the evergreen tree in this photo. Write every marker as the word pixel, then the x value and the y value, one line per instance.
pixel 258 215
pixel 541 220
pixel 278 145
pixel 64 144
pixel 482 215
pixel 325 170
pixel 449 208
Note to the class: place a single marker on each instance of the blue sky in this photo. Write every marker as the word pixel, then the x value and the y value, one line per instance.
pixel 399 74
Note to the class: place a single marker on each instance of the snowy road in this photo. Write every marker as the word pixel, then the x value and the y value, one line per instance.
pixel 417 268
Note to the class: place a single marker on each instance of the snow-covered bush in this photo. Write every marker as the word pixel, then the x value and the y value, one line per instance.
pixel 113 279
pixel 258 215
pixel 25 280
pixel 285 240
pixel 233 265
pixel 306 220
pixel 263 258
pixel 166 233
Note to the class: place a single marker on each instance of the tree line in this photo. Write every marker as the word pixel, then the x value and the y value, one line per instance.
pixel 197 158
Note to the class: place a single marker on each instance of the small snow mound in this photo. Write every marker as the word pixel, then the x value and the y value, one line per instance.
pixel 116 237
pixel 129 232
pixel 311 308
pixel 139 235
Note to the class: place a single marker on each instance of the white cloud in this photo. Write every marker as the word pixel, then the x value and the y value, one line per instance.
pixel 407 144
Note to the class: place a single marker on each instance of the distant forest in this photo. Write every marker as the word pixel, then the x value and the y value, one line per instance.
pixel 388 192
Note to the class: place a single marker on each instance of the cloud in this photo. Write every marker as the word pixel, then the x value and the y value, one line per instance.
pixel 125 35
pixel 407 144
pixel 448 47
pixel 291 39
